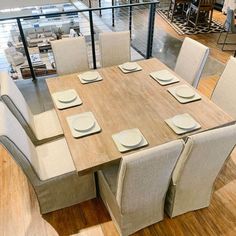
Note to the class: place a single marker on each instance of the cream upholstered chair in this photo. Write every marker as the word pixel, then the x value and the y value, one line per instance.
pixel 134 192
pixel 224 93
pixel 114 48
pixel 48 167
pixel 191 61
pixel 40 128
pixel 70 55
pixel 13 57
pixel 197 168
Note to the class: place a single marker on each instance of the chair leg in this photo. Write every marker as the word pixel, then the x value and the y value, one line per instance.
pixel 223 45
pixel 168 16
pixel 173 11
pixel 223 28
pixel 210 20
pixel 188 13
pixel 218 41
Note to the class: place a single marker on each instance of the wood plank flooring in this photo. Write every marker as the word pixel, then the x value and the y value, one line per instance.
pixel 20 216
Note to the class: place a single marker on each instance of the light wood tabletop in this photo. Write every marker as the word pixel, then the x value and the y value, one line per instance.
pixel 124 101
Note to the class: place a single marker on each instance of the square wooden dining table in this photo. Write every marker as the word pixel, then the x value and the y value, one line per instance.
pixel 124 101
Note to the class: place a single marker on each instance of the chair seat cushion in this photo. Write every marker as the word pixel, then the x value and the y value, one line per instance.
pixel 111 173
pixel 47 125
pixel 54 159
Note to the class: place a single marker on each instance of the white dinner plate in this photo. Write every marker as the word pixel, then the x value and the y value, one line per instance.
pixel 90 76
pixel 164 75
pixel 67 96
pixel 130 138
pixel 184 92
pixel 83 123
pixel 184 122
pixel 130 66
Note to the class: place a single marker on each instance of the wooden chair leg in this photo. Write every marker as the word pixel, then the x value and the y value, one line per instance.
pixel 210 20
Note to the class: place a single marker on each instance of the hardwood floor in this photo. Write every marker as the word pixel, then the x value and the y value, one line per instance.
pixel 19 211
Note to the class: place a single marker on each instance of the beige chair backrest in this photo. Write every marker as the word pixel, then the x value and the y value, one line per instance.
pixel 191 61
pixel 16 103
pixel 114 48
pixel 224 94
pixel 199 164
pixel 14 138
pixel 144 178
pixel 70 55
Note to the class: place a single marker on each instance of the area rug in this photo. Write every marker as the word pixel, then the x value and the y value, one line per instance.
pixel 179 24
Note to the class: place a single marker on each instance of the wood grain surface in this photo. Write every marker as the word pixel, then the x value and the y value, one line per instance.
pixel 124 101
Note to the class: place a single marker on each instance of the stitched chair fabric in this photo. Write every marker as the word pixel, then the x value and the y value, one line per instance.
pixel 49 167
pixel 197 168
pixel 114 48
pixel 41 128
pixel 191 61
pixel 224 93
pixel 70 55
pixel 134 192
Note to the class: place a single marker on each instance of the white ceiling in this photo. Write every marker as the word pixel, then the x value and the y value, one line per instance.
pixel 6 4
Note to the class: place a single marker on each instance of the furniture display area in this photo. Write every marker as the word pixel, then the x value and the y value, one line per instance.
pixel 44 47
pixel 39 68
pixel 14 57
pixel 174 4
pixel 35 37
pixel 134 93
pixel 204 7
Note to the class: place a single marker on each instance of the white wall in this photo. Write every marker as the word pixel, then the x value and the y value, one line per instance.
pixel 6 4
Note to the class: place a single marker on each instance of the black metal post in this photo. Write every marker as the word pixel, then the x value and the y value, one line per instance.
pixel 151 25
pixel 90 4
pixel 92 39
pixel 130 18
pixel 100 5
pixel 26 48
pixel 113 13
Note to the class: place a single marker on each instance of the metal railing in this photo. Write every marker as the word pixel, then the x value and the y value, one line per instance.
pixel 150 6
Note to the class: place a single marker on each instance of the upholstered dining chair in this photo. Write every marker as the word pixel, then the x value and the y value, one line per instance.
pixel 191 61
pixel 70 55
pixel 193 178
pixel 224 93
pixel 114 48
pixel 42 127
pixel 134 191
pixel 229 27
pixel 48 167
